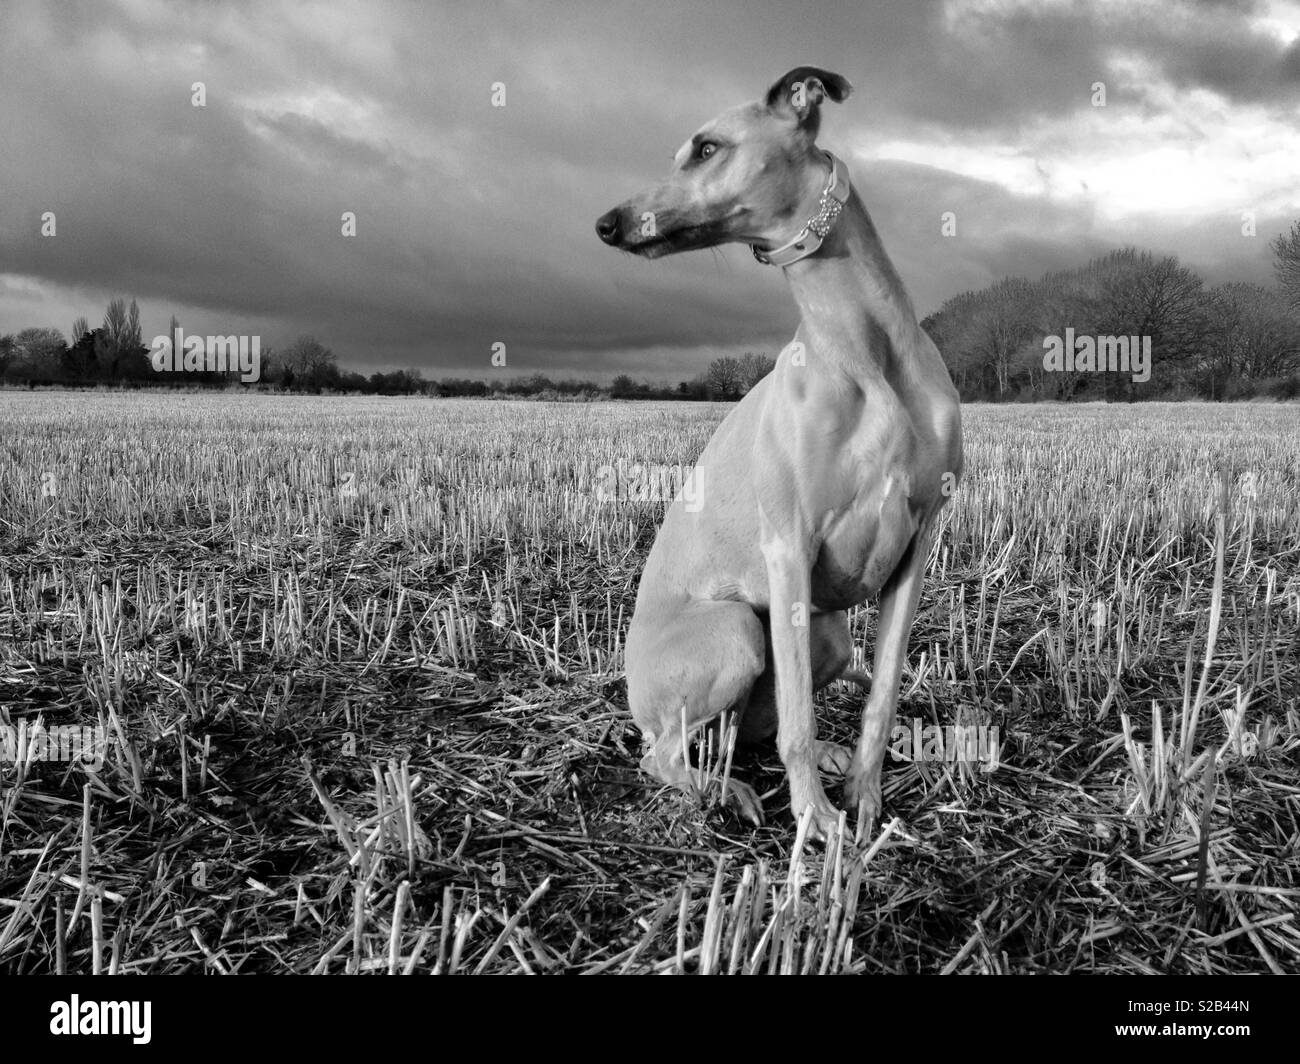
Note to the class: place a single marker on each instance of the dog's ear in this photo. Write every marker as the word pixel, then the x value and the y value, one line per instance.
pixel 800 92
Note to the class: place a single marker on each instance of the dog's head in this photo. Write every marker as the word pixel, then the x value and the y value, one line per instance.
pixel 745 176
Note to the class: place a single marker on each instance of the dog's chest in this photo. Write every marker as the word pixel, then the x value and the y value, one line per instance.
pixel 874 507
pixel 862 542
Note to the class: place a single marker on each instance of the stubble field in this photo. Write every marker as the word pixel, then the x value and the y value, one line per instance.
pixel 357 663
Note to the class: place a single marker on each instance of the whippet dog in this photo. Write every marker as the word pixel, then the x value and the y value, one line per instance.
pixel 822 486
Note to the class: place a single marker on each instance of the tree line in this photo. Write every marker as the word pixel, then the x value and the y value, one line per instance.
pixel 1228 341
pixel 115 354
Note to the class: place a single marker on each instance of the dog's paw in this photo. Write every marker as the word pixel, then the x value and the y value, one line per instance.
pixel 833 759
pixel 825 821
pixel 862 795
pixel 742 799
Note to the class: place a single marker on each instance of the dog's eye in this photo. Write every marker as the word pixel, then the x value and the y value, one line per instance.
pixel 705 150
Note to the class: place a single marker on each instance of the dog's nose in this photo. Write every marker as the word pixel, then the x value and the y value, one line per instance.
pixel 607 227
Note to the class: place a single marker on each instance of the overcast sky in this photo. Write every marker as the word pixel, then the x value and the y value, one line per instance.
pixel 475 223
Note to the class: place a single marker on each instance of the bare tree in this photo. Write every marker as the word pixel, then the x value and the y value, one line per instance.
pixel 121 349
pixel 270 363
pixel 79 329
pixel 38 354
pixel 307 362
pixel 949 328
pixel 8 352
pixel 1287 267
pixel 1256 335
pixel 724 377
pixel 1004 323
pixel 1144 295
pixel 753 368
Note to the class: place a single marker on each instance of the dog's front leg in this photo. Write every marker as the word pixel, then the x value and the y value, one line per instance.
pixel 796 733
pixel 898 599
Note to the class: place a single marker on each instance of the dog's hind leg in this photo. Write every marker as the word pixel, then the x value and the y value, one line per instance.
pixel 687 664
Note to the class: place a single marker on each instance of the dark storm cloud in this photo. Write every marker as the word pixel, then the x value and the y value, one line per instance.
pixel 997 65
pixel 475 223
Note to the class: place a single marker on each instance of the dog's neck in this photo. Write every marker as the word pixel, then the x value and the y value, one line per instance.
pixel 851 299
